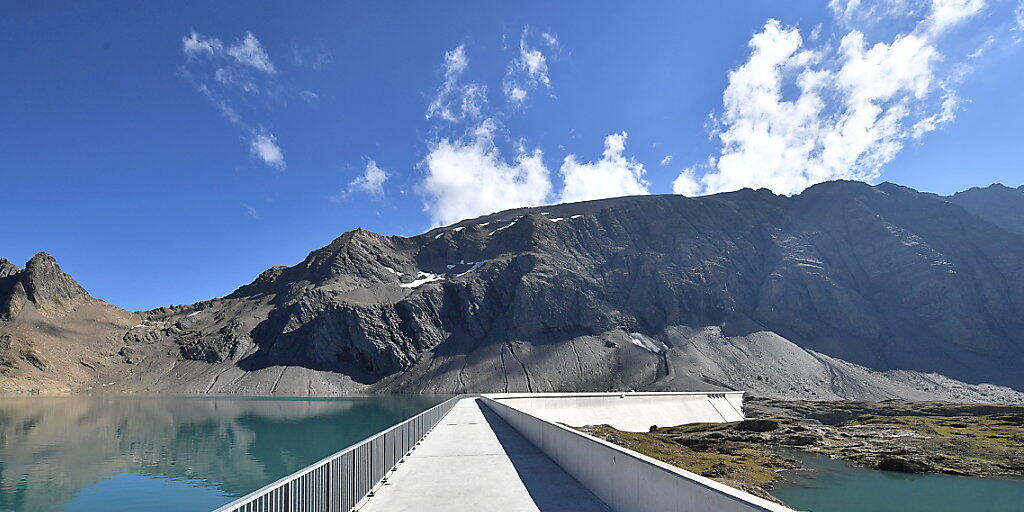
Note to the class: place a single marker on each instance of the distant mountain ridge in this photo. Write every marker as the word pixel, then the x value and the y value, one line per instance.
pixel 843 291
pixel 996 203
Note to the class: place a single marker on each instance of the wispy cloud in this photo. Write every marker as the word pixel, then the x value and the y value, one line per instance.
pixel 264 145
pixel 852 107
pixel 220 71
pixel 528 71
pixel 195 45
pixel 250 53
pixel 1018 16
pixel 985 46
pixel 315 59
pixel 456 101
pixel 251 212
pixel 667 160
pixel 240 65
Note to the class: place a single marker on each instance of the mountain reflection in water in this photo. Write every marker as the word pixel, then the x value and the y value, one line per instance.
pixel 59 453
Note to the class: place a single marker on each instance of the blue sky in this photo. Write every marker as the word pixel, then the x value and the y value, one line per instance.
pixel 169 152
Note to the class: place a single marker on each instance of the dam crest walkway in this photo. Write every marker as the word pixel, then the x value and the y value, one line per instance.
pixel 514 452
pixel 474 460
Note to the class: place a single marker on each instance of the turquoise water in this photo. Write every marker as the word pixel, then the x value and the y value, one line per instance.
pixel 836 486
pixel 110 453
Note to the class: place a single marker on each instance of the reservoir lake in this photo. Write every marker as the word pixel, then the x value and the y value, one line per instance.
pixel 833 485
pixel 121 453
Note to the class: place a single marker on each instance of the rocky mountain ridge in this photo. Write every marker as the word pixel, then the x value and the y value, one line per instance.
pixel 844 291
pixel 996 203
pixel 54 336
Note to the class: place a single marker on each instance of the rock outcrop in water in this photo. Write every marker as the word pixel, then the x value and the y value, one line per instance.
pixel 844 291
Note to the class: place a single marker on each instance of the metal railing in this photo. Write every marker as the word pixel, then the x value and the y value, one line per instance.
pixel 341 481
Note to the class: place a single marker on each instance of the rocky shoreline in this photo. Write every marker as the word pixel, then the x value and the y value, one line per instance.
pixel 908 437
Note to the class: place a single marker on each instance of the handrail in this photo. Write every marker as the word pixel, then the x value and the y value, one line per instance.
pixel 339 482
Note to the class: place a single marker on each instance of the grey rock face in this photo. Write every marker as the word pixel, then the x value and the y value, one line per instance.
pixel 42 282
pixel 996 203
pixel 7 268
pixel 844 291
pixel 11 291
pixel 654 292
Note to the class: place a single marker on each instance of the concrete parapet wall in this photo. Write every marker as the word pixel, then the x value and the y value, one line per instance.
pixel 634 412
pixel 625 480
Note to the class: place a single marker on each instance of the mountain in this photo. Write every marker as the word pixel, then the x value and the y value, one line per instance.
pixel 843 291
pixel 54 336
pixel 996 203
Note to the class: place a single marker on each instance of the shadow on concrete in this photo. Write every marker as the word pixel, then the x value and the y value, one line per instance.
pixel 550 488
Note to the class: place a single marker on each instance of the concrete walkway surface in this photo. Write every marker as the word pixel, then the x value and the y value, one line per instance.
pixel 474 461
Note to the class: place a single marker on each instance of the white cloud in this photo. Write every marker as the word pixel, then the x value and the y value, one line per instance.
pixel 220 104
pixel 371 182
pixel 456 101
pixel 219 72
pixel 947 13
pixel 249 52
pixel 1018 15
pixel 468 178
pixel 947 112
pixel 611 176
pixel 795 115
pixel 264 145
pixel 528 71
pixel 195 45
pixel 984 47
pixel 844 10
pixel 816 32
pixel 934 16
pixel 869 13
pixel 686 183
pixel 667 160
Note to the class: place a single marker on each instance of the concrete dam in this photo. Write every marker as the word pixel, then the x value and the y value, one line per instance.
pixel 514 452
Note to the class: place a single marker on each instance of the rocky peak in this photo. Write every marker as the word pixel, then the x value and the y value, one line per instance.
pixel 996 203
pixel 7 268
pixel 12 294
pixel 354 259
pixel 46 285
pixel 357 253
